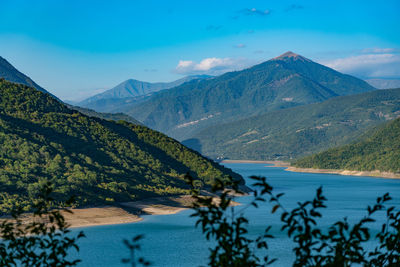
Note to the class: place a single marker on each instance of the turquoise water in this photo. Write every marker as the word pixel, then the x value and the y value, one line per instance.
pixel 172 240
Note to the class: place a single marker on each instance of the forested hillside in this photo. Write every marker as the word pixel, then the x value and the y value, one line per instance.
pixel 380 152
pixel 96 160
pixel 299 131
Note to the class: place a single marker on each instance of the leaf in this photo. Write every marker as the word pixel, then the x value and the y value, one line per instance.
pixel 275 208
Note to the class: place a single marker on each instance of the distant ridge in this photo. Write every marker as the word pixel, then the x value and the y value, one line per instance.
pixel 10 73
pixel 384 83
pixel 131 88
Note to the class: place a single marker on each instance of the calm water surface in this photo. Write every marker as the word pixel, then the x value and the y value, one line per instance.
pixel 172 240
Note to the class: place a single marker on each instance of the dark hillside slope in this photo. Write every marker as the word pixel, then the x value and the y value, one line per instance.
pixel 98 161
pixel 380 152
pixel 299 131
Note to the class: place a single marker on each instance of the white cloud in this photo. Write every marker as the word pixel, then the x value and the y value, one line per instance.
pixel 372 65
pixel 212 65
pixel 185 63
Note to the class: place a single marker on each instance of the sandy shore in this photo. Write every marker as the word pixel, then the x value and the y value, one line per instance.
pixel 99 216
pixel 379 174
pixel 276 163
pixel 126 212
pixel 90 216
pixel 130 212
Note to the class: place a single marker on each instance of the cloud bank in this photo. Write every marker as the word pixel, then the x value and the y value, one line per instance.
pixel 372 63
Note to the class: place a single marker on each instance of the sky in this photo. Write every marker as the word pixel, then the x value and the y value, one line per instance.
pixel 75 49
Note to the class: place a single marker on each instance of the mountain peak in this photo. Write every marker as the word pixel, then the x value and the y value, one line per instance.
pixel 289 54
pixel 292 56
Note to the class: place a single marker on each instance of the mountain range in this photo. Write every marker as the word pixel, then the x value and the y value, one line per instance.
pixel 282 82
pixel 129 91
pixel 384 83
pixel 98 161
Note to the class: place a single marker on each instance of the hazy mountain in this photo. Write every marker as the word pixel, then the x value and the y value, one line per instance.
pixel 299 131
pixel 106 116
pixel 128 91
pixel 9 73
pixel 98 161
pixel 381 151
pixel 282 82
pixel 384 83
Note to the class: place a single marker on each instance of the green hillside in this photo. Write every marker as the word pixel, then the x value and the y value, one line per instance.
pixel 283 82
pixel 107 116
pixel 299 131
pixel 380 152
pixel 96 160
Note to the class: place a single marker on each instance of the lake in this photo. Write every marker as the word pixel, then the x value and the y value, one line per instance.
pixel 172 240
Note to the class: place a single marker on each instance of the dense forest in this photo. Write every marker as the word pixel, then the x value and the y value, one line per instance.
pixel 98 161
pixel 381 151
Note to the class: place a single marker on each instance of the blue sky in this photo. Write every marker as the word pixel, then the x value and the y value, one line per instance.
pixel 77 48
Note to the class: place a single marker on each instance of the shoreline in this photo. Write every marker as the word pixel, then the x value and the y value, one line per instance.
pixel 130 212
pixel 279 163
pixel 125 212
pixel 276 163
pixel 376 173
pixel 121 213
pixel 107 215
